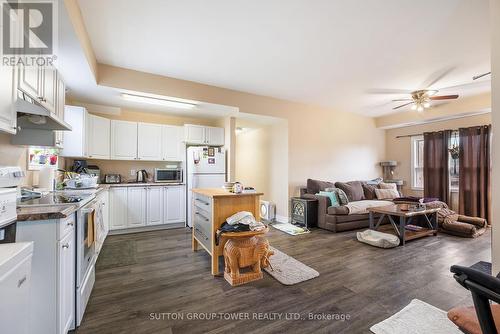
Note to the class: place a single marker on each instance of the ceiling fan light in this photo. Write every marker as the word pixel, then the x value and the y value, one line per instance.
pixel 427 105
pixel 420 108
pixel 413 107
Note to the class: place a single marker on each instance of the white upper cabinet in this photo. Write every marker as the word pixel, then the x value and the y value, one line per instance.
pixel 30 81
pixel 8 120
pixel 136 207
pixel 203 135
pixel 215 136
pixel 173 143
pixel 75 141
pixel 99 138
pixel 60 103
pixel 48 89
pixel 149 142
pixel 123 140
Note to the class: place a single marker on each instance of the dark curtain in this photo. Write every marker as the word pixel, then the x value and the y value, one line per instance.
pixel 436 173
pixel 475 172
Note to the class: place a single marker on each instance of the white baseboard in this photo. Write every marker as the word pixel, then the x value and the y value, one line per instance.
pixel 282 219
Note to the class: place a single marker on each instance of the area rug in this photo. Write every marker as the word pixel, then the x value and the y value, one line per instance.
pixel 117 254
pixel 290 228
pixel 287 270
pixel 417 317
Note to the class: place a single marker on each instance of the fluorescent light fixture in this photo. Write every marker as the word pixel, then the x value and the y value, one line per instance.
pixel 158 101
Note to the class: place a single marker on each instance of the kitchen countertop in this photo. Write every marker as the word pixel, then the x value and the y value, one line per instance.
pixel 142 184
pixel 219 192
pixel 47 212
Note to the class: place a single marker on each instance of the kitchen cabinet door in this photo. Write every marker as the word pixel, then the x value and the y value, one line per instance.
pixel 98 137
pixel 75 141
pixel 118 208
pixel 175 209
pixel 66 283
pixel 105 210
pixel 149 142
pixel 155 205
pixel 48 87
pixel 215 136
pixel 123 140
pixel 173 143
pixel 136 199
pixel 195 134
pixel 8 117
pixel 60 102
pixel 30 81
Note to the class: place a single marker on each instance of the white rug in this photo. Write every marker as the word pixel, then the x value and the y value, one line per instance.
pixel 290 228
pixel 288 270
pixel 417 317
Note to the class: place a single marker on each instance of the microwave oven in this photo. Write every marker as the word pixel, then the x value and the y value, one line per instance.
pixel 172 175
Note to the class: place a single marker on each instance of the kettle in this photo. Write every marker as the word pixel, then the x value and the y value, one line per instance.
pixel 142 176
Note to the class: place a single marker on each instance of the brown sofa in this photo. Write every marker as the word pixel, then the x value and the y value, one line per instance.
pixel 331 218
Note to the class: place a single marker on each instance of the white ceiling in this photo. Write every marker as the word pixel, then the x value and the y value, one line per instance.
pixel 335 53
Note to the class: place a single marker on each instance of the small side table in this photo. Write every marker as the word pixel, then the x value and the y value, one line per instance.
pixel 304 212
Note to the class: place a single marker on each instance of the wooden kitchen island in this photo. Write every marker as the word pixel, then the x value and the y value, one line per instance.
pixel 210 209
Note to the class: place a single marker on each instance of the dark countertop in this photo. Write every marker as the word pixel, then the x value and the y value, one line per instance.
pixel 47 212
pixel 143 184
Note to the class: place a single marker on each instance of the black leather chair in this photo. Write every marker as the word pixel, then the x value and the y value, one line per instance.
pixel 484 288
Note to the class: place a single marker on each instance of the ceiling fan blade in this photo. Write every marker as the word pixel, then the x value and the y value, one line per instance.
pixel 403 105
pixel 388 91
pixel 444 97
pixel 398 100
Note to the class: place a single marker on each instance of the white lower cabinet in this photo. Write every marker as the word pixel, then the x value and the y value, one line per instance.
pixel 66 282
pixel 136 199
pixel 155 205
pixel 132 207
pixel 175 209
pixel 118 208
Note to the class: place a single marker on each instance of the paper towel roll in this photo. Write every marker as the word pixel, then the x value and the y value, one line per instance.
pixel 46 178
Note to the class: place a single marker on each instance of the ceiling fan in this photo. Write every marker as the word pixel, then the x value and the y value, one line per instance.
pixel 421 99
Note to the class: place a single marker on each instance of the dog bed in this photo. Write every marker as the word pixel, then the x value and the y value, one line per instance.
pixel 378 239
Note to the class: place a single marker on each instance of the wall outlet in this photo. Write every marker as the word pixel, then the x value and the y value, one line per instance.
pixel 133 172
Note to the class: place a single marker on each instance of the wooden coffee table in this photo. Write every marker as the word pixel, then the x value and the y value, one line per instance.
pixel 405 218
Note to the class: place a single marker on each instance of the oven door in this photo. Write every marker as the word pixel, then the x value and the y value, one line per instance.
pixel 86 241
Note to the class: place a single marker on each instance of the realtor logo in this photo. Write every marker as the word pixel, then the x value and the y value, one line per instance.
pixel 28 32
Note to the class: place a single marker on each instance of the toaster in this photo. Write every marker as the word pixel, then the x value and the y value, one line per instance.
pixel 112 178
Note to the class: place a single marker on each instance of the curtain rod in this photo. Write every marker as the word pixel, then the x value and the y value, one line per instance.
pixel 452 130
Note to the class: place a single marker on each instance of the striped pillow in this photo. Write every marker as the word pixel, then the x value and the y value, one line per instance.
pixel 386 193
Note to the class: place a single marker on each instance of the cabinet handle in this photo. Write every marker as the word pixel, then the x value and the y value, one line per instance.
pixel 21 281
pixel 70 224
pixel 66 245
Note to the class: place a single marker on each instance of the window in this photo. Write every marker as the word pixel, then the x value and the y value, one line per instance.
pixel 453 153
pixel 39 157
pixel 417 162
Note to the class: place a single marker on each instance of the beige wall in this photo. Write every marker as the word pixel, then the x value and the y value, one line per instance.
pixel 262 161
pixel 323 142
pixel 399 149
pixel 495 66
pixel 11 155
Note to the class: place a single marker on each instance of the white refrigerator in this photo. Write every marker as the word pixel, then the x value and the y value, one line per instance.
pixel 206 168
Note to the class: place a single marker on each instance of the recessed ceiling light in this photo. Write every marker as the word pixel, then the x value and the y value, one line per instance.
pixel 158 101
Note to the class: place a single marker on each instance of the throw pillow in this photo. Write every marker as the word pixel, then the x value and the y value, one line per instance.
pixel 386 193
pixel 369 191
pixel 383 185
pixel 332 196
pixel 315 186
pixel 374 182
pixel 353 190
pixel 340 195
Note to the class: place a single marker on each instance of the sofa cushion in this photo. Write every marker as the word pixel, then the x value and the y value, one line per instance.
pixel 342 197
pixel 353 190
pixel 315 186
pixel 383 185
pixel 339 210
pixel 386 193
pixel 332 196
pixel 369 191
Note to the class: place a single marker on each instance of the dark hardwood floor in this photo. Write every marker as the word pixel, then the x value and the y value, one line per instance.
pixel 156 274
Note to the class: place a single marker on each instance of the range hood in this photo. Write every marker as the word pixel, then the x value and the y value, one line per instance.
pixel 31 115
